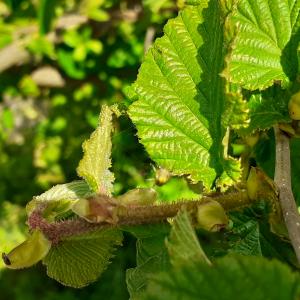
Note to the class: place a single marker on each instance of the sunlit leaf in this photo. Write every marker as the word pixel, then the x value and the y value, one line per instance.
pixel 264 47
pixel 181 95
pixel 96 161
pixel 59 198
pixel 80 260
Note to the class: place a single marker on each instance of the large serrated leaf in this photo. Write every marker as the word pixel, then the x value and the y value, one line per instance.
pixel 96 161
pixel 181 95
pixel 60 198
pixel 183 244
pixel 265 45
pixel 80 260
pixel 231 277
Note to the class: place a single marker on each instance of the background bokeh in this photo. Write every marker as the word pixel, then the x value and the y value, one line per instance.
pixel 59 61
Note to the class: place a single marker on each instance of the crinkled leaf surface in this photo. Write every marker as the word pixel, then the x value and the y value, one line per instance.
pixel 183 244
pixel 60 198
pixel 264 48
pixel 80 260
pixel 181 95
pixel 267 109
pixel 96 161
pixel 251 235
pixel 229 278
pixel 246 235
pixel 236 113
pixel 232 173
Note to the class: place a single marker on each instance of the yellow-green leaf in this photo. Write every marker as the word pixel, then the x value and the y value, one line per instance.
pixel 96 161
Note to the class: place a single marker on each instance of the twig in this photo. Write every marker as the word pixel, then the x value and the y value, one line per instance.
pixel 149 37
pixel 16 53
pixel 130 215
pixel 283 182
pixel 13 55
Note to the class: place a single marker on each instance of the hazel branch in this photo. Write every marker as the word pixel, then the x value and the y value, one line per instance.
pixel 283 182
pixel 110 213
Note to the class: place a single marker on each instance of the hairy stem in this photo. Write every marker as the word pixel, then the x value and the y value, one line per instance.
pixel 132 215
pixel 283 182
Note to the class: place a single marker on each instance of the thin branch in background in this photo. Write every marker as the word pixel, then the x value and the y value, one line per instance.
pixel 16 53
pixel 149 37
pixel 283 182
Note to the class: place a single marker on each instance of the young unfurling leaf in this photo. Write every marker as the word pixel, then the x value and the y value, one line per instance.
pixel 25 255
pixel 95 164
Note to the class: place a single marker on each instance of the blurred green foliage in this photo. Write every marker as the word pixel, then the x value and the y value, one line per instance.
pixel 59 62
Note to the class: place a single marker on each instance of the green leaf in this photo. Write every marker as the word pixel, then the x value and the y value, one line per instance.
pixel 72 68
pixel 181 95
pixel 195 2
pixel 60 198
pixel 80 260
pixel 183 244
pixel 152 257
pixel 154 5
pixel 232 173
pixel 94 10
pixel 263 48
pixel 246 239
pixel 96 161
pixel 267 109
pixel 137 278
pixel 46 12
pixel 251 235
pixel 236 114
pixel 176 189
pixel 230 277
pixel 7 119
